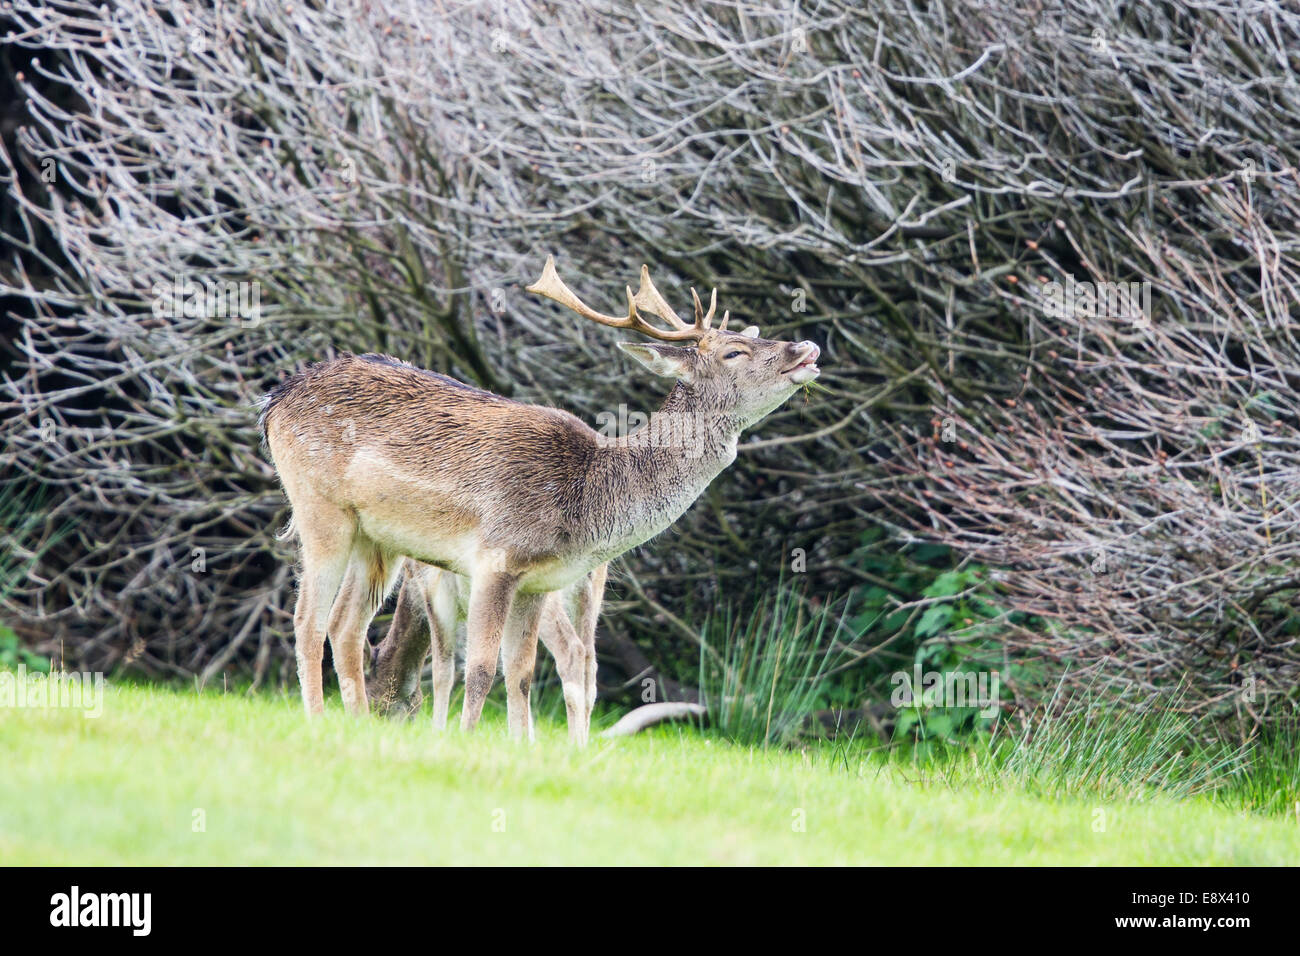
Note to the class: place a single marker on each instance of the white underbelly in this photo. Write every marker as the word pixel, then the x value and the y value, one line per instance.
pixel 554 578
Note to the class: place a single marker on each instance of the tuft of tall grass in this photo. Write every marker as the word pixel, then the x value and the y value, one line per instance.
pixel 762 676
pixel 1104 747
pixel 18 516
pixel 1270 781
pixel 1115 750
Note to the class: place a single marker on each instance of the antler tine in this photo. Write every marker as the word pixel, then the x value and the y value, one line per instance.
pixel 702 320
pixel 649 300
pixel 726 317
pixel 647 297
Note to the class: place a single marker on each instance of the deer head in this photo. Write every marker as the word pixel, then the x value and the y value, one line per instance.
pixel 735 374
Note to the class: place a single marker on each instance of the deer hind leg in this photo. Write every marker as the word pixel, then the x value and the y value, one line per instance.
pixel 562 641
pixel 370 574
pixel 325 535
pixel 590 598
pixel 490 597
pixel 519 660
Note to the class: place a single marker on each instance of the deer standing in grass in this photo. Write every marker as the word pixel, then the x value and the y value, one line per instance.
pixel 382 460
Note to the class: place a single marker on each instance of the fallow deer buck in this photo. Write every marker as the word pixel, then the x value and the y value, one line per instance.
pixel 381 460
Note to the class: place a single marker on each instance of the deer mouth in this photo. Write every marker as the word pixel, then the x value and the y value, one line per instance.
pixel 804 370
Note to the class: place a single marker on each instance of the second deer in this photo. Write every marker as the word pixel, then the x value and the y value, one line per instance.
pixel 430 606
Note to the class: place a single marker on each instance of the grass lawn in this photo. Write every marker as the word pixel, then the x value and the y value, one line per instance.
pixel 134 785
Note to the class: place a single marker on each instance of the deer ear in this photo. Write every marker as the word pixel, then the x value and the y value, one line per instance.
pixel 670 361
pixel 750 332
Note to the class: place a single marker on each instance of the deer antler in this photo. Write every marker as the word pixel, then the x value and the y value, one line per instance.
pixel 646 299
pixel 700 316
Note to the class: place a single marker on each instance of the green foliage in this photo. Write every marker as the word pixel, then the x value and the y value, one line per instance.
pixel 13 653
pixel 927 613
pixel 766 675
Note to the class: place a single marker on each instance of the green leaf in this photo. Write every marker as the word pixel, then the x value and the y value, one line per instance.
pixel 934 620
pixel 871 535
pixel 894 621
pixel 875 597
pixel 947 584
pixel 929 552
pixel 938 724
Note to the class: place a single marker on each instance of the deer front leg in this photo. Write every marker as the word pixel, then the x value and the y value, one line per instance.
pixel 491 594
pixel 519 660
pixel 589 601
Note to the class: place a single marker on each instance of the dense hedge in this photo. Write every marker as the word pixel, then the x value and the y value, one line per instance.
pixel 909 184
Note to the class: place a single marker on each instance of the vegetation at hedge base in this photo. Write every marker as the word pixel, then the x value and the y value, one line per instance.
pixel 1049 253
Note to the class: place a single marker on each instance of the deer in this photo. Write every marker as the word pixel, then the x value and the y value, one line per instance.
pixel 382 461
pixel 431 603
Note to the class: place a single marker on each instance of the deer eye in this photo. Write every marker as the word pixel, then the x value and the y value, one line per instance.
pixel 732 354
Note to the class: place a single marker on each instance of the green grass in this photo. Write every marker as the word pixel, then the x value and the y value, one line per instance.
pixel 125 788
pixel 761 676
pixel 1089 744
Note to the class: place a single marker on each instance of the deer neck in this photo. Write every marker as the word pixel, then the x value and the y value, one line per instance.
pixel 641 483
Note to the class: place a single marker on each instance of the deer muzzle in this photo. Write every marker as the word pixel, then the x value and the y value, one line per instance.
pixel 804 368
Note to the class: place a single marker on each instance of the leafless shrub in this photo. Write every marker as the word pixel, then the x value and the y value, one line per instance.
pixel 888 180
pixel 1142 488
